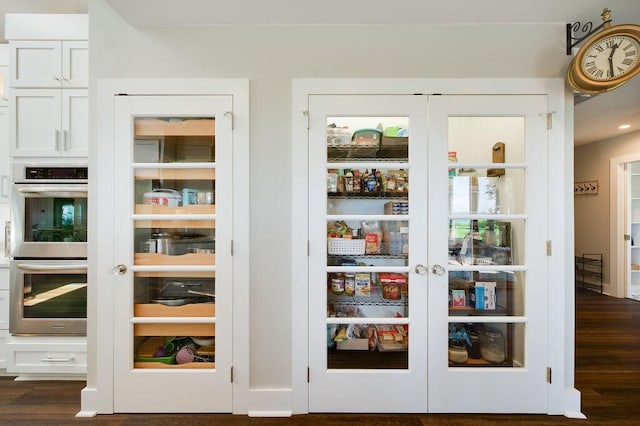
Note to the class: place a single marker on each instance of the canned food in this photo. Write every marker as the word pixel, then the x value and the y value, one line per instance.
pixel 149 246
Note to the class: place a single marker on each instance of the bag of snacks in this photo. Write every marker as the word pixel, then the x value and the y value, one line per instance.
pixel 373 237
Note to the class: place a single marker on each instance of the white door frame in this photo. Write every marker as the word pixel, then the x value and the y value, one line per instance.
pixel 563 398
pixel 618 223
pixel 97 396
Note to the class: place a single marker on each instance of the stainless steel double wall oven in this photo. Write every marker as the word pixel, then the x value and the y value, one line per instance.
pixel 48 242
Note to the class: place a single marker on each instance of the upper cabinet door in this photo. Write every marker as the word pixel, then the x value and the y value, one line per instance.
pixel 49 123
pixel 75 64
pixel 75 123
pixel 52 64
pixel 35 123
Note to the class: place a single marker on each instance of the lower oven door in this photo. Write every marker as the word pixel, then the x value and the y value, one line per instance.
pixel 48 297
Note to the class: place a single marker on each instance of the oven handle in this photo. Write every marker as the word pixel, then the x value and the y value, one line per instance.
pixel 54 191
pixel 68 268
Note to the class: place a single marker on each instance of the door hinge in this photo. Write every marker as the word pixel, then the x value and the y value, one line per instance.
pixel 549 117
pixel 306 114
pixel 308 248
pixel 232 374
pixel 549 375
pixel 627 237
pixel 231 247
pixel 230 115
pixel 308 375
pixel 548 247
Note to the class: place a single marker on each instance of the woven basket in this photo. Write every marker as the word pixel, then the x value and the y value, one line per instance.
pixel 345 246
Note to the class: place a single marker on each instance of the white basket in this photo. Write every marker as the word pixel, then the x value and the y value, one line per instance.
pixel 345 246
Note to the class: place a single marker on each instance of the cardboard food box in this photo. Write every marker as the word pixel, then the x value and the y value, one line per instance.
pixel 484 295
pixel 363 284
pixel 353 343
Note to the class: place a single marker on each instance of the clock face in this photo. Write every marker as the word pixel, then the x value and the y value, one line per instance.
pixel 611 58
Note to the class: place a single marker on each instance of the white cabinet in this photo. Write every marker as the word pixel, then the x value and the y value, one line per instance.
pixel 49 122
pixel 49 64
pixel 4 74
pixel 439 223
pixel 47 355
pixel 4 315
pixel 4 155
pixel 4 85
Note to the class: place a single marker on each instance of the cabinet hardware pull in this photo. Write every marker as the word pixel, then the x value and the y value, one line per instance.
pixel 80 268
pixel 7 239
pixel 4 186
pixel 53 191
pixel 50 359
pixel 65 138
pixel 56 135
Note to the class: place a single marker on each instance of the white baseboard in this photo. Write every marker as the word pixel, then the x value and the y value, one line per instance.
pixel 572 403
pixel 268 403
pixel 36 376
pixel 270 413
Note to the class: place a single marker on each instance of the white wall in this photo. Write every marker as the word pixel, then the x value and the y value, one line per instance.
pixel 271 56
pixel 592 212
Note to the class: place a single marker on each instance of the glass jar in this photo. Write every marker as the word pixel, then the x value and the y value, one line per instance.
pixel 492 347
pixel 474 350
pixel 349 284
pixel 457 351
pixel 337 284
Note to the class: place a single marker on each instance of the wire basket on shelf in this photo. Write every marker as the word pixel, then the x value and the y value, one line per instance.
pixel 345 246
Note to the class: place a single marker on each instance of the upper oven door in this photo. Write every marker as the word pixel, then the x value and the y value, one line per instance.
pixel 49 220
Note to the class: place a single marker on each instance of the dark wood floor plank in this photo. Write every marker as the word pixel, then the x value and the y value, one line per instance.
pixel 607 375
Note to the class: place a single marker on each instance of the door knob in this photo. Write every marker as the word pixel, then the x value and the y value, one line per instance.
pixel 421 269
pixel 438 270
pixel 119 269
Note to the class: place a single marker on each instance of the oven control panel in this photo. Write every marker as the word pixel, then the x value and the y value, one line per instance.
pixel 56 173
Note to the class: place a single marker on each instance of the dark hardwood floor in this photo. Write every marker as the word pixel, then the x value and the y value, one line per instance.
pixel 607 374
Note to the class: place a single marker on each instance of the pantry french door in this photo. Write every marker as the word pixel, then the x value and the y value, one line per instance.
pixel 427 253
pixel 173 286
pixel 361 358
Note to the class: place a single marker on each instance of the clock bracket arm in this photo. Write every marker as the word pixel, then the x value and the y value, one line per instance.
pixel 586 30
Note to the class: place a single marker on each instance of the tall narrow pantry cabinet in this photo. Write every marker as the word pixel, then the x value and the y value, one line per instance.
pixel 170 249
pixel 428 230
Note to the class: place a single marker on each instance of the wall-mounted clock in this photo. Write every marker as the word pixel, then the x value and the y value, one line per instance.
pixel 608 59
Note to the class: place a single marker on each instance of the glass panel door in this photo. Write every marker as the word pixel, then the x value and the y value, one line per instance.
pixel 174 209
pixel 367 202
pixel 593 270
pixel 489 162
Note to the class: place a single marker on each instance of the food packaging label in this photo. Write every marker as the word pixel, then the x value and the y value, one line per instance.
pixel 363 284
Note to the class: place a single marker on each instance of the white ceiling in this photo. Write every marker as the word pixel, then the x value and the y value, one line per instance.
pixel 595 119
